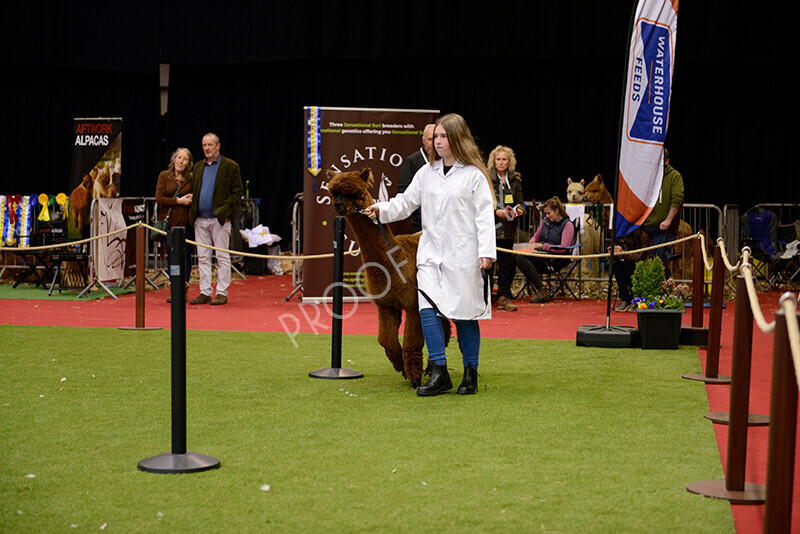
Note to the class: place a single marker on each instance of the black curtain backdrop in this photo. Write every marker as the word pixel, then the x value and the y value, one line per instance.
pixel 543 78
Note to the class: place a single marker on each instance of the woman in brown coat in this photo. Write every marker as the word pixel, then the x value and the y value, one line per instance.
pixel 174 196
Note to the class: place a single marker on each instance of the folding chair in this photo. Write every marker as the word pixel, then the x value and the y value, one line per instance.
pixel 561 273
pixel 759 231
pixel 787 268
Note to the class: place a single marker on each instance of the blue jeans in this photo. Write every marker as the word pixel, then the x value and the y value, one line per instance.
pixel 469 334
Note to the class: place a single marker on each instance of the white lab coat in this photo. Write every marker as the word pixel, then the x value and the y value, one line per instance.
pixel 457 229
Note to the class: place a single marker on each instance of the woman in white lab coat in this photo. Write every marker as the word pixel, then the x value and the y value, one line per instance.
pixel 458 240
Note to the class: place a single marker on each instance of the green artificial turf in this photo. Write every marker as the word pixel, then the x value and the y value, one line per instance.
pixel 559 438
pixel 32 292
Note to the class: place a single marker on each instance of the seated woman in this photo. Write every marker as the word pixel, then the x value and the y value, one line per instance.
pixel 553 236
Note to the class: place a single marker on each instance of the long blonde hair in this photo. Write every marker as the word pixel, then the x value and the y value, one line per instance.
pixel 512 158
pixel 462 145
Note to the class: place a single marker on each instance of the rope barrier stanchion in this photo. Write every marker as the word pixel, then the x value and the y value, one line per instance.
pixel 734 488
pixel 696 334
pixel 783 430
pixel 336 371
pixel 179 460
pixel 741 364
pixel 711 376
pixel 141 264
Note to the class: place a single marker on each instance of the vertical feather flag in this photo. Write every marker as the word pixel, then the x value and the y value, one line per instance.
pixel 645 114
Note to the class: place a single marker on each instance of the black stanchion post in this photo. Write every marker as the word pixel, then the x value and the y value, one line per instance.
pixel 177 281
pixel 178 460
pixel 336 371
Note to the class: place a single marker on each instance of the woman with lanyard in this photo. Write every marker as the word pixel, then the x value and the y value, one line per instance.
pixel 507 188
pixel 457 242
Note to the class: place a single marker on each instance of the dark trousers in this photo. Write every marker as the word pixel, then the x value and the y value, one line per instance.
pixel 623 272
pixel 506 268
pixel 531 267
pixel 657 237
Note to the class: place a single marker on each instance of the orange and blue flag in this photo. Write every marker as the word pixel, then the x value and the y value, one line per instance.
pixel 648 89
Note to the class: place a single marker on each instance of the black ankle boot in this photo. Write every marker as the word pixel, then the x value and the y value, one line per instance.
pixel 469 385
pixel 438 383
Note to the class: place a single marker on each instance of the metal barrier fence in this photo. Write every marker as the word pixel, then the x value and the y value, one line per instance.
pixel 596 238
pixel 788 219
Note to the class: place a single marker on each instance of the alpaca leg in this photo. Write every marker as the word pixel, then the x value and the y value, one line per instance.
pixel 388 328
pixel 413 342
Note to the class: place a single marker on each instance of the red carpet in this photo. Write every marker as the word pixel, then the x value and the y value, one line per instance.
pixel 258 304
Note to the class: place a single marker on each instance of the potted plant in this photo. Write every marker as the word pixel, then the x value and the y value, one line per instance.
pixel 659 305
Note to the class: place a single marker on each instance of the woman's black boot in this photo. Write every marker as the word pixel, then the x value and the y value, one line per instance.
pixel 469 385
pixel 438 383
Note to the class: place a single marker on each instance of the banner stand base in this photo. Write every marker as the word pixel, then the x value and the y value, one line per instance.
pixel 92 284
pixel 615 337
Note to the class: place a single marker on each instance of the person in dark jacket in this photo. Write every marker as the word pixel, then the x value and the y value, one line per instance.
pixel 174 198
pixel 507 186
pixel 624 264
pixel 553 236
pixel 409 168
pixel 216 196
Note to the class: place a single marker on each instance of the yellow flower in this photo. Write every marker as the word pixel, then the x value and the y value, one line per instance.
pixel 642 305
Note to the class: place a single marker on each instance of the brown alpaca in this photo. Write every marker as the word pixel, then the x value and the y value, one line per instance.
pixel 81 199
pixel 596 193
pixel 350 192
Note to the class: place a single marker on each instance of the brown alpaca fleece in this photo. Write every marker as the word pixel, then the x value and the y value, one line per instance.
pixel 597 193
pixel 350 193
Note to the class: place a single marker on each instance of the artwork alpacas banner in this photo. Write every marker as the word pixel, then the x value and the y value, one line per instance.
pixel 347 139
pixel 646 111
pixel 96 167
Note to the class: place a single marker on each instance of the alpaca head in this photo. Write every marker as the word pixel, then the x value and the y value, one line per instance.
pixel 350 190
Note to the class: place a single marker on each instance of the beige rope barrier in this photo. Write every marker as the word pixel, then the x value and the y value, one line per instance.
pixel 603 254
pixel 789 305
pixel 732 268
pixel 747 271
pixel 330 255
pixel 253 254
pixel 704 251
pixel 70 243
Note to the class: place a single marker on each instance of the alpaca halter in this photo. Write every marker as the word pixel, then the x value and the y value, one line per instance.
pixel 357 205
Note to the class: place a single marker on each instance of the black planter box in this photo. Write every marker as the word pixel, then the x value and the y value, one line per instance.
pixel 659 329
